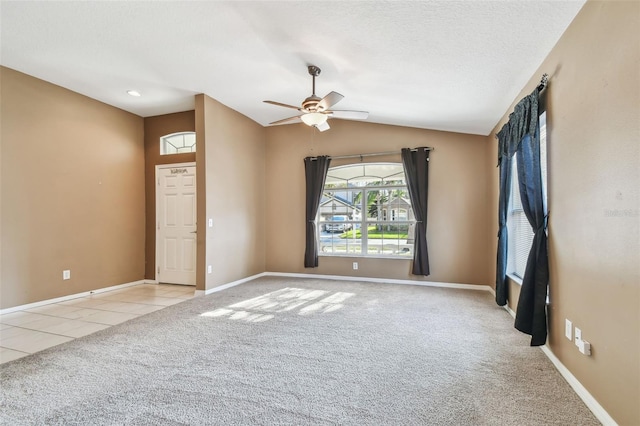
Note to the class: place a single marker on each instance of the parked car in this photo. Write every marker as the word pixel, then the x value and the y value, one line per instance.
pixel 336 226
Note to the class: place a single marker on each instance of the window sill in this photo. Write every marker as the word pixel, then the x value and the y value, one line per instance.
pixel 516 279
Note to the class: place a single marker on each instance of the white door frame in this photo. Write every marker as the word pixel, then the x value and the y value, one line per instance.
pixel 157 224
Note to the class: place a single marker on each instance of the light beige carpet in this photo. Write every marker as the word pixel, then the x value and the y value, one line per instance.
pixel 299 352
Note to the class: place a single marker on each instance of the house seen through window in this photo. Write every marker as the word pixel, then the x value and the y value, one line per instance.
pixel 365 210
pixel 178 143
pixel 520 232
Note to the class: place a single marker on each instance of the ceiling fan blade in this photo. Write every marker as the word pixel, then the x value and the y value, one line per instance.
pixel 349 115
pixel 282 105
pixel 287 120
pixel 323 126
pixel 328 101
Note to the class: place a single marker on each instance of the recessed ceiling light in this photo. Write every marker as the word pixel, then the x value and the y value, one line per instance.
pixel 134 93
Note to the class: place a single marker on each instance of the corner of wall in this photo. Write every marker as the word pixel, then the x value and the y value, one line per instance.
pixel 232 194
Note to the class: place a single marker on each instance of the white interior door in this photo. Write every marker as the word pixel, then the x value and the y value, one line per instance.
pixel 176 224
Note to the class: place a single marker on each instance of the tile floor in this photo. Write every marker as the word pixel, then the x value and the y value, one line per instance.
pixel 32 330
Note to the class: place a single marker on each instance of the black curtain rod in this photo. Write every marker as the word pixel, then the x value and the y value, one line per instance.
pixel 543 82
pixel 338 157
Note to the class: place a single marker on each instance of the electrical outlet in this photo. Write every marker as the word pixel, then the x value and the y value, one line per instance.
pixel 578 336
pixel 355 265
pixel 66 274
pixel 568 329
pixel 210 223
pixel 209 269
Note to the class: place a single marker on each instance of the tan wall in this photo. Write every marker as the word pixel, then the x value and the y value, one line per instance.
pixel 234 189
pixel 458 215
pixel 201 185
pixel 72 192
pixel 154 129
pixel 593 132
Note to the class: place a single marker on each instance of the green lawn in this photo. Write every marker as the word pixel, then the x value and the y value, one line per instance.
pixel 373 233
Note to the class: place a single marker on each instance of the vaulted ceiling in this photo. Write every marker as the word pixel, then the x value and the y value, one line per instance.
pixel 445 65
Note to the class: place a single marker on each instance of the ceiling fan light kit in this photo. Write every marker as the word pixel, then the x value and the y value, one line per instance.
pixel 315 110
pixel 313 118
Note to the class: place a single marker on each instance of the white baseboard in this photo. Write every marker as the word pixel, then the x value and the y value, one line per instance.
pixel 588 399
pixel 381 280
pixel 346 278
pixel 69 297
pixel 229 285
pixel 593 405
pixel 511 311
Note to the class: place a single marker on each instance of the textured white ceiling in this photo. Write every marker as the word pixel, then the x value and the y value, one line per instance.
pixel 446 65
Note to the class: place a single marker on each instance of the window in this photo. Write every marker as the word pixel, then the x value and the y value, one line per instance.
pixel 178 143
pixel 519 230
pixel 365 210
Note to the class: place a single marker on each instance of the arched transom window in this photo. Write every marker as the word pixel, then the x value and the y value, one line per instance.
pixel 178 143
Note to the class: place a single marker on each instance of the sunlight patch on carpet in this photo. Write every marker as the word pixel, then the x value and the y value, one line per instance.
pixel 328 304
pixel 262 308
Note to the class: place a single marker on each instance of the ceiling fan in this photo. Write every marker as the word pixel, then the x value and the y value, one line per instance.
pixel 316 111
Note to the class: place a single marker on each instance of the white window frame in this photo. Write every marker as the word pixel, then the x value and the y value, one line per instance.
pixel 164 140
pixel 363 248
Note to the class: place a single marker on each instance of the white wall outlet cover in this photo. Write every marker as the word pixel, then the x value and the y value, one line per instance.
pixel 578 336
pixel 210 223
pixel 209 269
pixel 66 274
pixel 568 328
pixel 355 265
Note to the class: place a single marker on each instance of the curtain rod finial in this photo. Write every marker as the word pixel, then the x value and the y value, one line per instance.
pixel 545 79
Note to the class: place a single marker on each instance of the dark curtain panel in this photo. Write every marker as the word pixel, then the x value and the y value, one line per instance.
pixel 502 288
pixel 315 171
pixel 416 170
pixel 521 136
pixel 531 316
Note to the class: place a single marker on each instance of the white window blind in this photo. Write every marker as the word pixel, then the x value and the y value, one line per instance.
pixel 520 232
